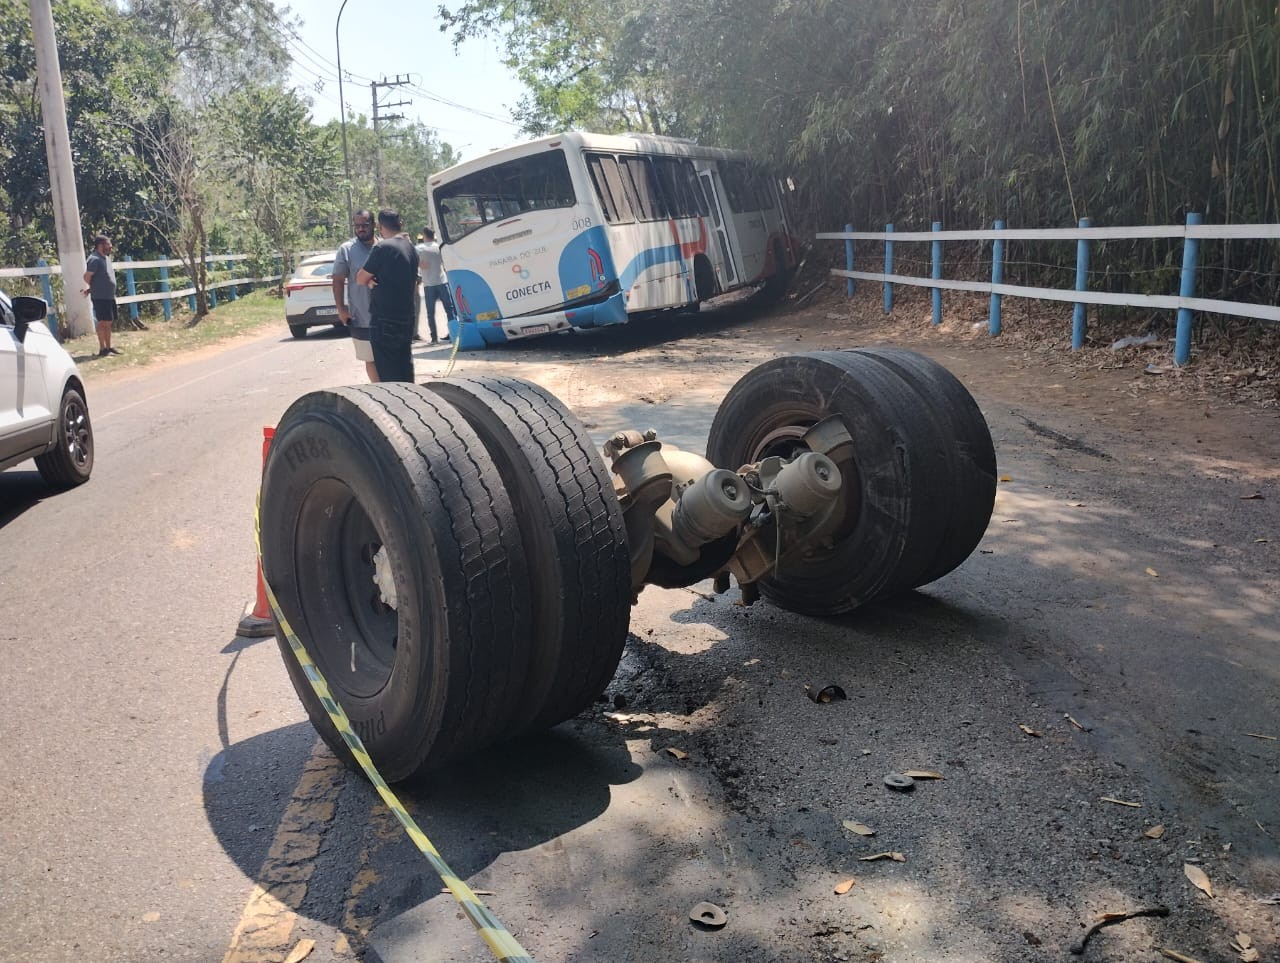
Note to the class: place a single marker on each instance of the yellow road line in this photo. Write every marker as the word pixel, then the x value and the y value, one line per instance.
pixel 503 945
pixel 264 933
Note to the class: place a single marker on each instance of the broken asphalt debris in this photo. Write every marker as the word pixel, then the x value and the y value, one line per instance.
pixel 830 693
pixel 899 782
pixel 709 915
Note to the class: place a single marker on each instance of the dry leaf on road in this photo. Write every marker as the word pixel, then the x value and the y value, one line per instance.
pixel 1152 572
pixel 1169 954
pixel 1028 730
pixel 678 753
pixel 1199 879
pixel 896 857
pixel 862 829
pixel 844 886
pixel 1121 802
pixel 1155 832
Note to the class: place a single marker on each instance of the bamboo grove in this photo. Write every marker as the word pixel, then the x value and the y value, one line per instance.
pixel 962 111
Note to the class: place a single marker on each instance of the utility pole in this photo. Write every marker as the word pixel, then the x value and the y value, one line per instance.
pixel 62 181
pixel 400 81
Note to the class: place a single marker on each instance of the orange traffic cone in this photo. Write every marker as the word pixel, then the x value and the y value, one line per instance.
pixel 259 623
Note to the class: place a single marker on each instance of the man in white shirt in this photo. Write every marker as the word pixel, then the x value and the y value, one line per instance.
pixel 435 283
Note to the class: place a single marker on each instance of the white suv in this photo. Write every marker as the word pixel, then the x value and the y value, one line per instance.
pixel 43 412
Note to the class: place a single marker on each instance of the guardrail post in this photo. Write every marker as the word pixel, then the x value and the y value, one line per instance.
pixel 937 276
pixel 1078 314
pixel 231 269
pixel 51 318
pixel 211 292
pixel 130 286
pixel 167 303
pixel 848 259
pixel 1187 289
pixel 888 269
pixel 997 277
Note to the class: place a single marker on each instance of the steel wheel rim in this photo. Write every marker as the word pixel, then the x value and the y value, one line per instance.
pixel 355 631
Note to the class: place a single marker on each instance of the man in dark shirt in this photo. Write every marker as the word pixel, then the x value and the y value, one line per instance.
pixel 392 272
pixel 100 276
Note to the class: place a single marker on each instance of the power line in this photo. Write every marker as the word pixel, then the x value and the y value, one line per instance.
pixel 429 95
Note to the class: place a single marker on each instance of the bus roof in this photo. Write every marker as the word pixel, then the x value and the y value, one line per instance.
pixel 622 143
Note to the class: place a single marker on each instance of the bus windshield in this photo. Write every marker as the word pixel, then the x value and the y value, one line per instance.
pixel 534 183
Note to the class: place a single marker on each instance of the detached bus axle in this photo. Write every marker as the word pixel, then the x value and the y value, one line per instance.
pixel 460 561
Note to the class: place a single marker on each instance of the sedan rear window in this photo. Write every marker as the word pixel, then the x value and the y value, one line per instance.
pixel 320 269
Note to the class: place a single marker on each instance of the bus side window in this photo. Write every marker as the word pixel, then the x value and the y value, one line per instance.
pixel 607 181
pixel 738 185
pixel 693 188
pixel 644 196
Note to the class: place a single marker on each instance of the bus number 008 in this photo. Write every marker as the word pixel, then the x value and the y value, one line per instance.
pixel 581 223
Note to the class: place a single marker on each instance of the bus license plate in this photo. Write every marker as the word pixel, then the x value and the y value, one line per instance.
pixel 536 329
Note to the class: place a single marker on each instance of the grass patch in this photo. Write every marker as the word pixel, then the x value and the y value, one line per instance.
pixel 163 339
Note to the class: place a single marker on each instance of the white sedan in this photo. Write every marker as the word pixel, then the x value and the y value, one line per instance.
pixel 43 412
pixel 308 295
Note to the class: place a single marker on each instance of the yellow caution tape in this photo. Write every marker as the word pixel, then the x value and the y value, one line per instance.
pixel 501 942
pixel 454 353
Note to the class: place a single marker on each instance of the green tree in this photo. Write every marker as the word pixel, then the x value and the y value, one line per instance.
pixel 106 68
pixel 283 165
pixel 216 46
pixel 410 153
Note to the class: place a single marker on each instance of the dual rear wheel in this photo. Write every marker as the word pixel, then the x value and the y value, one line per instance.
pixel 454 559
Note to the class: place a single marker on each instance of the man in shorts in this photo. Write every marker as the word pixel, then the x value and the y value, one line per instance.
pixel 391 272
pixel 352 298
pixel 100 276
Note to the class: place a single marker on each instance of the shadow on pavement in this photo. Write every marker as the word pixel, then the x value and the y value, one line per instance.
pixel 356 865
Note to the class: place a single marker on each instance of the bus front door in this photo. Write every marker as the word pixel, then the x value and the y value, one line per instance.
pixel 720 251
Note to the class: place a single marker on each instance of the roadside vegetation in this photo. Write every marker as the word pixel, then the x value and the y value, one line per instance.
pixel 161 339
pixel 187 137
pixel 1037 113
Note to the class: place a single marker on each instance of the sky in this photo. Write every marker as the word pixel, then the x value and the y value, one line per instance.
pixel 466 95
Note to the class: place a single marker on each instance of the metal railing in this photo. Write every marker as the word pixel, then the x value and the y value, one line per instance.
pixel 161 281
pixel 1184 302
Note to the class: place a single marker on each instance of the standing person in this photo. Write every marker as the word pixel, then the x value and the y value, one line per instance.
pixel 100 276
pixel 351 297
pixel 435 283
pixel 392 273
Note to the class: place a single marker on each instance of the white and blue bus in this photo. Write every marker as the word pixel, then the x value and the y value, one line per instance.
pixel 580 230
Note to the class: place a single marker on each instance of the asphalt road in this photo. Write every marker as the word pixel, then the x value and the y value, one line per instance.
pixel 165 798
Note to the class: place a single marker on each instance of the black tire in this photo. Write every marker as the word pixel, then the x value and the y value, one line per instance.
pixel 574 537
pixel 894 512
pixel 353 471
pixel 70 461
pixel 298 330
pixel 704 278
pixel 971 473
pixel 776 286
